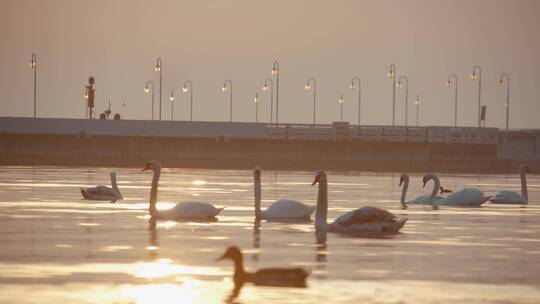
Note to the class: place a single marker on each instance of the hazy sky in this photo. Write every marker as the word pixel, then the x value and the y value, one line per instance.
pixel 209 41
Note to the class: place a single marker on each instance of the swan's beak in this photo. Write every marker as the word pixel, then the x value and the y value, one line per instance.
pixel 316 180
pixel 221 258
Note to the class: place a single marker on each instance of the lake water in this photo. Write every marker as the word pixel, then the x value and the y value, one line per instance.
pixel 57 248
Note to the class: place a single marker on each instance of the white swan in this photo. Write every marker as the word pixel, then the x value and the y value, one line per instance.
pixel 285 209
pixel 183 210
pixel 421 200
pixel 511 197
pixel 358 221
pixel 103 193
pixel 467 197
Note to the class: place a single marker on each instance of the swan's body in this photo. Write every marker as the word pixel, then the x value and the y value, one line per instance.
pixel 285 209
pixel 183 210
pixel 269 276
pixel 421 200
pixel 103 193
pixel 467 197
pixel 511 197
pixel 358 221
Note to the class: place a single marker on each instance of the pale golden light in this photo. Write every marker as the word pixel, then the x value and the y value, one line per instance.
pixel 340 100
pixel 264 87
pixel 501 82
pixel 399 84
pixel 473 76
pixel 171 98
pixel 448 83
pixel 146 89
pixel 307 87
pixel 274 71
pixel 391 74
pixel 352 86
pixel 184 89
pixel 225 88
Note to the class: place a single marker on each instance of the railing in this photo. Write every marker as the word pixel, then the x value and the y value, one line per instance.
pixel 344 131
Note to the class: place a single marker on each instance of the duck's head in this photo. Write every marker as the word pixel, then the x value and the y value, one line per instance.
pixel 319 177
pixel 152 165
pixel 232 253
pixel 525 168
pixel 403 178
pixel 257 173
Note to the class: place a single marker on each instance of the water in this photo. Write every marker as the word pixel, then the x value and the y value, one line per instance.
pixel 58 248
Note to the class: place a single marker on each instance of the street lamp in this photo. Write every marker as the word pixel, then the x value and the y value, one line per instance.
pixel 185 88
pixel 265 87
pixel 453 80
pixel 507 105
pixel 171 98
pixel 256 107
pixel 477 74
pixel 353 86
pixel 340 100
pixel 158 70
pixel 400 85
pixel 417 103
pixel 275 72
pixel 149 86
pixel 33 66
pixel 392 75
pixel 227 86
pixel 312 83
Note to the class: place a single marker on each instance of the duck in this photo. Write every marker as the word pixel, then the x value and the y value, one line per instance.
pixel 421 200
pixel 283 209
pixel 511 197
pixel 182 211
pixel 293 277
pixel 445 190
pixel 103 193
pixel 359 221
pixel 467 197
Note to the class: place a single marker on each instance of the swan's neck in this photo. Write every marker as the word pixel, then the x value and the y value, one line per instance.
pixel 436 185
pixel 153 192
pixel 257 192
pixel 239 273
pixel 115 185
pixel 321 212
pixel 524 192
pixel 404 192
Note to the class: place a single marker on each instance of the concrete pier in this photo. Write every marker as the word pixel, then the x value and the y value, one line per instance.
pixel 340 146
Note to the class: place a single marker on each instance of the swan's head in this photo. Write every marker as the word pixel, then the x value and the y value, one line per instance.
pixel 257 173
pixel 319 177
pixel 427 178
pixel 113 175
pixel 232 253
pixel 525 168
pixel 403 178
pixel 152 165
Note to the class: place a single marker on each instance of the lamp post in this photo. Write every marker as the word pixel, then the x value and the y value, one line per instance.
pixel 171 98
pixel 149 86
pixel 265 87
pixel 227 86
pixel 507 105
pixel 312 83
pixel 392 75
pixel 453 80
pixel 353 86
pixel 477 74
pixel 256 107
pixel 185 88
pixel 158 70
pixel 417 103
pixel 400 85
pixel 85 104
pixel 33 66
pixel 340 100
pixel 275 72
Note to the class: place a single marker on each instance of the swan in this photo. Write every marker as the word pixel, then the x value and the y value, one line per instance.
pixel 511 197
pixel 421 200
pixel 103 193
pixel 467 197
pixel 282 209
pixel 358 221
pixel 293 277
pixel 183 210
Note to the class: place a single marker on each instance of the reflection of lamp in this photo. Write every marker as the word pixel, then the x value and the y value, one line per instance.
pixel 275 72
pixel 477 74
pixel 400 85
pixel 149 86
pixel 227 86
pixel 33 66
pixel 171 98
pixel 340 100
pixel 353 86
pixel 507 104
pixel 265 87
pixel 453 80
pixel 308 87
pixel 185 88
pixel 392 75
pixel 158 70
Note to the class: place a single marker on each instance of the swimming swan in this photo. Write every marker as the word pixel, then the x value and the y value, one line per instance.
pixel 183 210
pixel 362 220
pixel 421 200
pixel 281 209
pixel 467 197
pixel 511 197
pixel 103 193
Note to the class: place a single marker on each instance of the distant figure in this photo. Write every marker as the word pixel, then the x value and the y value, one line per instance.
pixel 116 116
pixel 102 116
pixel 443 191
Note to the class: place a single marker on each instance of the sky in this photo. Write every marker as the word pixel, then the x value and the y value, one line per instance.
pixel 118 42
